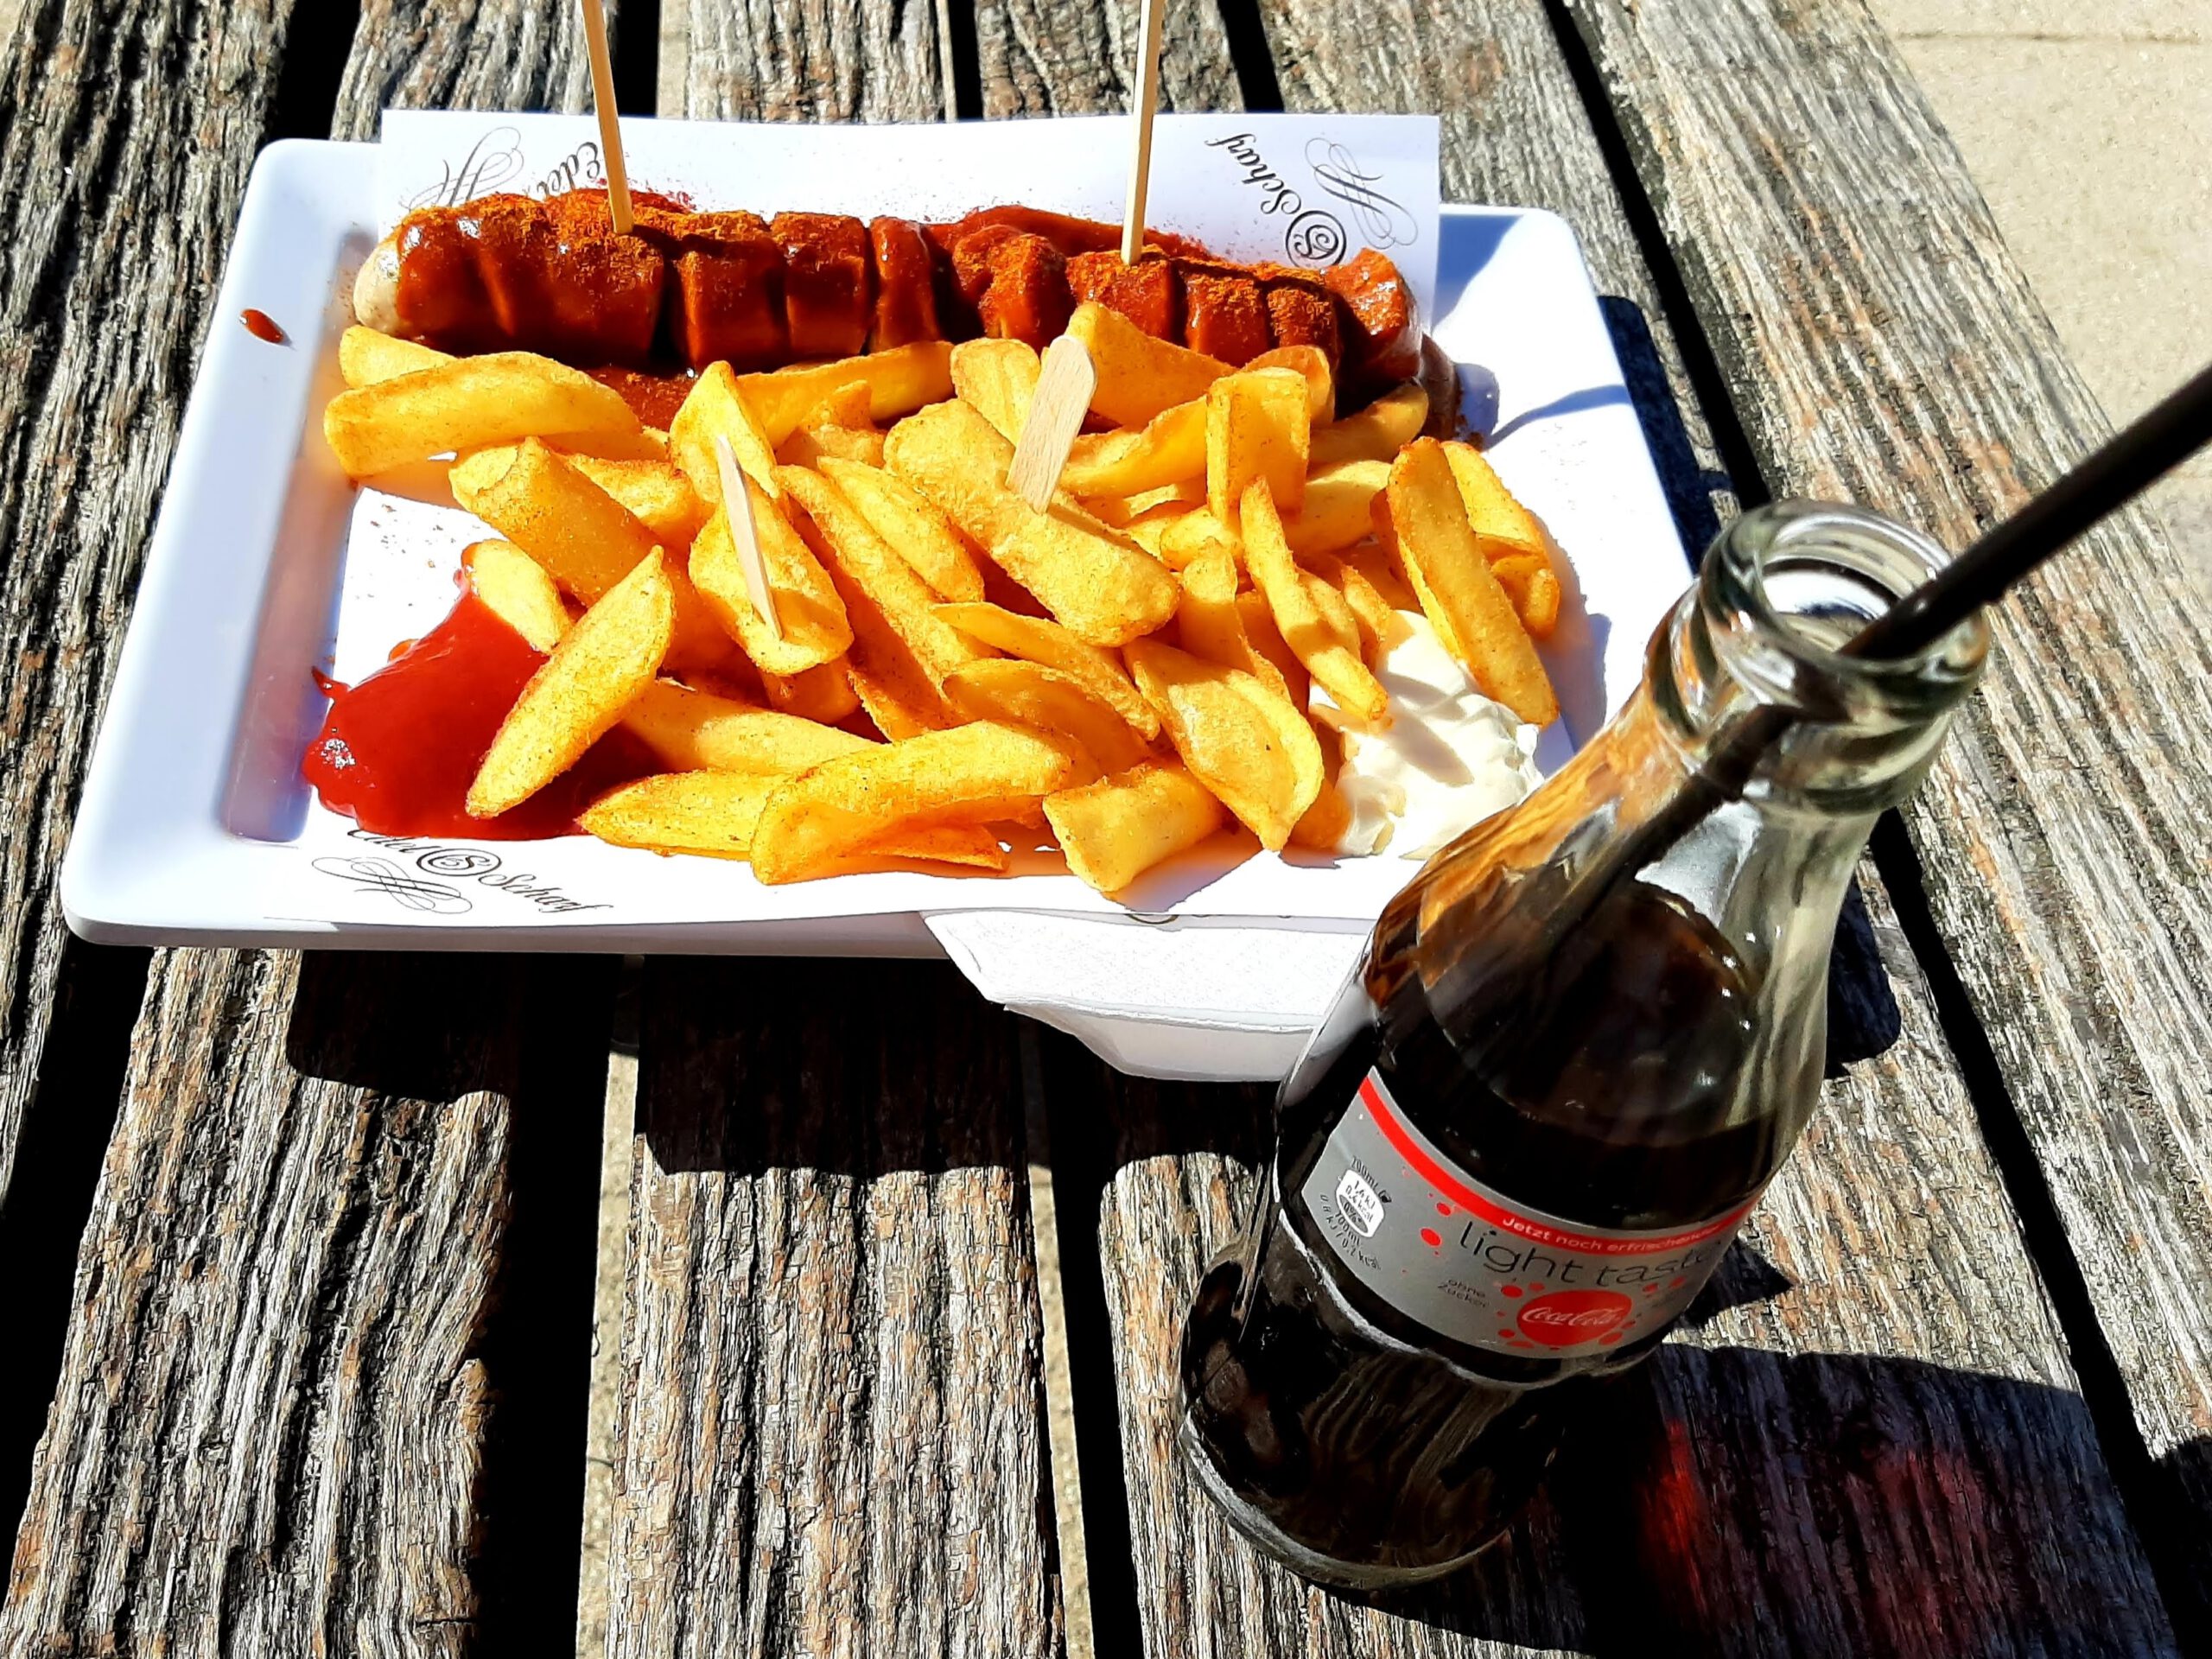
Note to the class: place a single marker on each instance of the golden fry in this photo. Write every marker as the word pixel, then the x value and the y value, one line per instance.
pixel 586 539
pixel 866 561
pixel 997 377
pixel 1326 820
pixel 893 692
pixel 1317 638
pixel 716 407
pixel 970 775
pixel 1311 362
pixel 1502 525
pixel 1256 427
pixel 821 694
pixel 1036 640
pixel 852 405
pixel 464 404
pixel 1139 376
pixel 1194 535
pixel 940 843
pixel 1533 586
pixel 1104 588
pixel 1168 450
pixel 1029 694
pixel 1239 735
pixel 696 730
pixel 1268 641
pixel 899 382
pixel 601 665
pixel 703 812
pixel 912 523
pixel 808 606
pixel 365 357
pixel 1338 506
pixel 517 590
pixel 1114 831
pixel 655 493
pixel 811 445
pixel 1456 587
pixel 1375 433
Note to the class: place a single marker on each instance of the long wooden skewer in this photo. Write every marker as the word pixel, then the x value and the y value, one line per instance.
pixel 1149 25
pixel 610 118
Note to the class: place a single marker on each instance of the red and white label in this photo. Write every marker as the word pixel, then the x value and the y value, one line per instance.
pixel 1472 1265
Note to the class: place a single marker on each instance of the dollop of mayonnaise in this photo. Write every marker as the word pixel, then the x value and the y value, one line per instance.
pixel 1449 757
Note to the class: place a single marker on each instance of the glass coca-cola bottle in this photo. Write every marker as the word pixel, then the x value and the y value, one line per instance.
pixel 1577 1049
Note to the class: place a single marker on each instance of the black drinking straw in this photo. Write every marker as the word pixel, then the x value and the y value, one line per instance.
pixel 2107 481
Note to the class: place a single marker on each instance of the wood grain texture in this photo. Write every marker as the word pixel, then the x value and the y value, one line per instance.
pixel 832 1438
pixel 271 1432
pixel 1949 1363
pixel 284 1422
pixel 1038 57
pixel 120 203
pixel 1884 347
pixel 815 60
pixel 464 54
pixel 1514 135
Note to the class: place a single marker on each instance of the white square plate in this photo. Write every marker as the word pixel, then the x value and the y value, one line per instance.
pixel 267 567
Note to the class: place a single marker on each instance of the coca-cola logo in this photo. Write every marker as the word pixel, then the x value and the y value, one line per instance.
pixel 1568 1317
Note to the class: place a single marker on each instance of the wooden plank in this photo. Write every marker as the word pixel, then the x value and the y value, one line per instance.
pixel 832 1435
pixel 1175 1178
pixel 1882 346
pixel 832 1438
pixel 286 1420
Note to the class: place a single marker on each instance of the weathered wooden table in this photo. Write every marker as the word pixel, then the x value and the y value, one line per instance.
pixel 299 1250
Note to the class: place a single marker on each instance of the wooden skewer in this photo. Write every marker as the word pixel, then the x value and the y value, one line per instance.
pixel 1064 386
pixel 610 118
pixel 737 506
pixel 1149 26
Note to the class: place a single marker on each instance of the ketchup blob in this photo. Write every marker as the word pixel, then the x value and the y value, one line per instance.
pixel 397 751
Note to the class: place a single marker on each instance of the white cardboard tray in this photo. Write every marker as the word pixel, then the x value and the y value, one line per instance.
pixel 267 565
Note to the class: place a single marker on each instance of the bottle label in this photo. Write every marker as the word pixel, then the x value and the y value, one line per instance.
pixel 1473 1264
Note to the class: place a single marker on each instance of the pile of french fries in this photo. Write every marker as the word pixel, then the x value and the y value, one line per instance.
pixel 947 669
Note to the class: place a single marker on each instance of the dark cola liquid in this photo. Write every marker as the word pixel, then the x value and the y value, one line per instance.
pixel 1599 1076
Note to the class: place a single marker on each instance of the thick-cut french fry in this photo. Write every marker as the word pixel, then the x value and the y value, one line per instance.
pixel 997 377
pixel 1530 582
pixel 602 665
pixel 1165 503
pixel 1268 641
pixel 705 812
pixel 1210 623
pixel 365 356
pixel 1375 433
pixel 696 730
pixel 1194 535
pixel 1338 506
pixel 970 775
pixel 860 557
pixel 814 627
pixel 1168 450
pixel 1502 525
pixel 940 843
pixel 822 694
pixel 850 405
pixel 646 444
pixel 586 539
pixel 1297 610
pixel 899 382
pixel 1114 831
pixel 464 404
pixel 1238 734
pixel 812 445
pixel 1107 589
pixel 918 531
pixel 1313 363
pixel 1326 820
pixel 1256 427
pixel 1212 576
pixel 518 591
pixel 655 493
pixel 1456 587
pixel 891 690
pixel 716 407
pixel 1036 640
pixel 1139 376
pixel 1376 618
pixel 1378 566
pixel 1029 694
